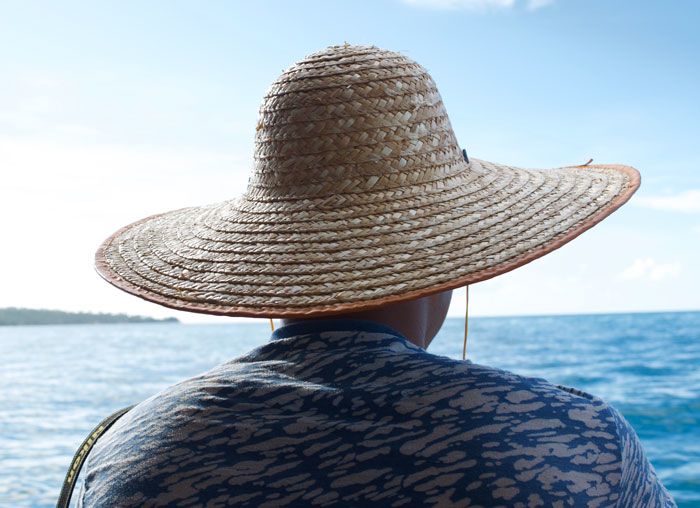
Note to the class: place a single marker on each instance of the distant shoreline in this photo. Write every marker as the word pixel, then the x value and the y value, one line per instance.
pixel 16 316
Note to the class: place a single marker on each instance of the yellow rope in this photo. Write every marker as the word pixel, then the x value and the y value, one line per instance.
pixel 466 323
pixel 272 325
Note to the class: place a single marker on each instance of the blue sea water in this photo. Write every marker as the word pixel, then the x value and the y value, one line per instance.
pixel 57 382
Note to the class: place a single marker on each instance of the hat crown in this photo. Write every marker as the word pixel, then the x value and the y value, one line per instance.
pixel 351 119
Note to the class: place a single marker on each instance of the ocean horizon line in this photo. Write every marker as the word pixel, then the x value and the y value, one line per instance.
pixel 471 316
pixel 578 314
pixel 241 320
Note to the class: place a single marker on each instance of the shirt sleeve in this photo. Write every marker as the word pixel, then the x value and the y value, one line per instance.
pixel 639 485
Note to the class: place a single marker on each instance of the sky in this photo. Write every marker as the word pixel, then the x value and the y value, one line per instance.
pixel 112 111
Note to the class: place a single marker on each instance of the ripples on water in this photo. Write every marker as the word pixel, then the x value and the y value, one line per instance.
pixel 57 382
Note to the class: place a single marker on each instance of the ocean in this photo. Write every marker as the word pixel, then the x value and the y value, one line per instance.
pixel 58 382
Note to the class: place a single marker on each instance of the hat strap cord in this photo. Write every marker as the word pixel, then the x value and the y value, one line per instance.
pixel 466 322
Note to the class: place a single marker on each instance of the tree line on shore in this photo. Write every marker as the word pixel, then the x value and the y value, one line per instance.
pixel 10 316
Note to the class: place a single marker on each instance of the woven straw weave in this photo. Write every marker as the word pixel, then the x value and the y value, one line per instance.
pixel 360 196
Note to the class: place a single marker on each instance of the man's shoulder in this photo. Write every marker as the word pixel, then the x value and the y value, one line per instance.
pixel 509 388
pixel 152 443
pixel 554 433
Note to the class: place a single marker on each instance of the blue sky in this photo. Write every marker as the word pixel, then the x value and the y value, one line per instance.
pixel 111 111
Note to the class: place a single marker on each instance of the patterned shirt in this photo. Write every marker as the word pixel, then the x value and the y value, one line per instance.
pixel 350 413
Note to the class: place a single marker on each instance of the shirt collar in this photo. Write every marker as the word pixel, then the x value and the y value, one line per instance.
pixel 313 326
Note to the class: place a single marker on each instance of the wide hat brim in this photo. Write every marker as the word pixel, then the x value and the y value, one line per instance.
pixel 315 257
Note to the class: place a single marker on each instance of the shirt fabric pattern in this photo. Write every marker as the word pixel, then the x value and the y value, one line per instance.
pixel 350 413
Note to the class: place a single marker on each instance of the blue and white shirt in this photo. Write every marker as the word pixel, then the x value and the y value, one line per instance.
pixel 350 413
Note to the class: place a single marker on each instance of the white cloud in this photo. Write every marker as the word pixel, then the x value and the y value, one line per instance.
pixel 687 201
pixel 59 200
pixel 40 81
pixel 649 269
pixel 460 4
pixel 538 4
pixel 478 4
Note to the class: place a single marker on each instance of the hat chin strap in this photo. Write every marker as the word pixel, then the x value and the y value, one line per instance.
pixel 466 322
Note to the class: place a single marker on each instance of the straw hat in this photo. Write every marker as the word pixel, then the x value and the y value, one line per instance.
pixel 359 196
